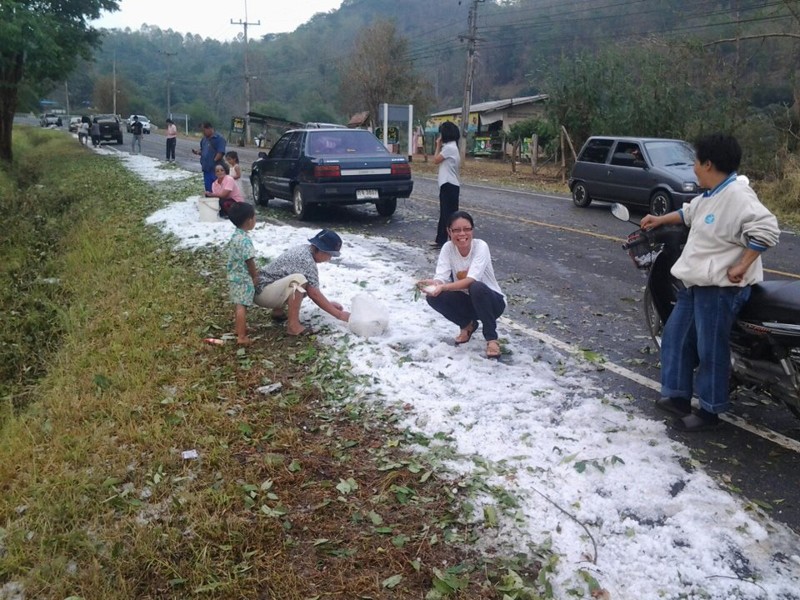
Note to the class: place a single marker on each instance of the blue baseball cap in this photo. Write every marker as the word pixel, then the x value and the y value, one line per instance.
pixel 327 241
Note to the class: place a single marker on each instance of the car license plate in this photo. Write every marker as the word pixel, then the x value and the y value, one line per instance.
pixel 366 194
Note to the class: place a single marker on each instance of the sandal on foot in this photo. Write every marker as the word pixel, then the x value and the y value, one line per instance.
pixel 492 349
pixel 466 333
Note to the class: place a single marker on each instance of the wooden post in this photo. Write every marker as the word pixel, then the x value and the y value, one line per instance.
pixel 534 153
pixel 563 159
pixel 569 141
pixel 514 156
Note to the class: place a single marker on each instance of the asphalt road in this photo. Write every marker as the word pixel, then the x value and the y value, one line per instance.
pixel 570 285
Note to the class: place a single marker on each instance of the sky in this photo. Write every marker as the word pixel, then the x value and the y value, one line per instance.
pixel 600 483
pixel 214 21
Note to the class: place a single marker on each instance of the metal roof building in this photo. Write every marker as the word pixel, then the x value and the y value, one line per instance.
pixel 495 115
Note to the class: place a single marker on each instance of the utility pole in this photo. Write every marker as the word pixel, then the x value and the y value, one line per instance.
pixel 169 80
pixel 472 39
pixel 114 84
pixel 246 74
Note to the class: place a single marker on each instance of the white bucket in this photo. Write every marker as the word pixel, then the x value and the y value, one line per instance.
pixel 209 209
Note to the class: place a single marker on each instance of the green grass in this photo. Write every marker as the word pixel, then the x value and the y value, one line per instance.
pixel 306 493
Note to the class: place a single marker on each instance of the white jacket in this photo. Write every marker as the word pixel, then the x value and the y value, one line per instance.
pixel 721 226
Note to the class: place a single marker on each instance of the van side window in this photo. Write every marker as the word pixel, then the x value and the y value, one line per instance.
pixel 626 154
pixel 596 151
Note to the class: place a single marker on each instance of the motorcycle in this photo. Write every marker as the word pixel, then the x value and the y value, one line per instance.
pixel 765 339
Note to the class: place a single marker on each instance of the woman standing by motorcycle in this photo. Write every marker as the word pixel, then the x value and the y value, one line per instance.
pixel 729 228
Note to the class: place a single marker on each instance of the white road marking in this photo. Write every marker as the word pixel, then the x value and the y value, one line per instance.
pixel 763 432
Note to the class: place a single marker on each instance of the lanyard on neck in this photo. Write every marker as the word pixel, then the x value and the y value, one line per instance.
pixel 731 177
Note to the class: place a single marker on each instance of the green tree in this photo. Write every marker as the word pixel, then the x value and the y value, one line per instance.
pixel 378 70
pixel 40 41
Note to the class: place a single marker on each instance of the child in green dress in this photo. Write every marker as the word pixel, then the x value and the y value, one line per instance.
pixel 241 267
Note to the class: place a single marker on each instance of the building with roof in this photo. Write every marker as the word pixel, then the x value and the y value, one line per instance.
pixel 488 120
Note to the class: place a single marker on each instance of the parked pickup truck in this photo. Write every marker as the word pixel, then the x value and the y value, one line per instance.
pixel 110 128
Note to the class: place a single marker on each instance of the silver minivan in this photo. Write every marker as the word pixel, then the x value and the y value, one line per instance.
pixel 653 173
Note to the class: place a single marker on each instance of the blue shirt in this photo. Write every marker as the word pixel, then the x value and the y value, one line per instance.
pixel 208 150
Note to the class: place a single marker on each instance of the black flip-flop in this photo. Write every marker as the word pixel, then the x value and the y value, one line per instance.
pixel 279 318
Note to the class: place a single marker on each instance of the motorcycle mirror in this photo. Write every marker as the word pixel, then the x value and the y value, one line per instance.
pixel 621 213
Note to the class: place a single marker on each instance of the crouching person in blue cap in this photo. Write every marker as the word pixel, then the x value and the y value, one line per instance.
pixel 284 282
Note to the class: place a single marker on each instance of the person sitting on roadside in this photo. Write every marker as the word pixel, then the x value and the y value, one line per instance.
pixel 284 282
pixel 224 187
pixel 464 289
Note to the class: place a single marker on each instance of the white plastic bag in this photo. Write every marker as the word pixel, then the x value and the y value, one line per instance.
pixel 368 317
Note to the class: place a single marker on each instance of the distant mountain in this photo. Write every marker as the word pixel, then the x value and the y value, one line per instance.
pixel 296 75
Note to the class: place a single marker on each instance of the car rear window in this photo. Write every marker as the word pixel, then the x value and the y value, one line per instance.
pixel 343 142
pixel 596 151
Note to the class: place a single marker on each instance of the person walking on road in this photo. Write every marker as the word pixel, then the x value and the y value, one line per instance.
pixel 211 153
pixel 136 130
pixel 83 132
pixel 172 140
pixel 95 133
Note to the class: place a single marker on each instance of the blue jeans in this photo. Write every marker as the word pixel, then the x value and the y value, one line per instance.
pixel 481 304
pixel 697 337
pixel 208 179
pixel 136 141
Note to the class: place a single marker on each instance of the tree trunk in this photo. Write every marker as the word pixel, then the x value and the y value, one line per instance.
pixel 9 84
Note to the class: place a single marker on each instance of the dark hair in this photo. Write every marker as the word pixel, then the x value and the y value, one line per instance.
pixel 240 212
pixel 233 154
pixel 449 132
pixel 721 149
pixel 206 125
pixel 459 214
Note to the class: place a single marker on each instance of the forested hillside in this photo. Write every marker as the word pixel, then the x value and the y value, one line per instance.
pixel 657 67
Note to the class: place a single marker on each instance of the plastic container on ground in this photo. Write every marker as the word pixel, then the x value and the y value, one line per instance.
pixel 209 209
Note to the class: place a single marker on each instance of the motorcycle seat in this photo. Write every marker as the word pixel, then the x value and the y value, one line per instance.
pixel 773 301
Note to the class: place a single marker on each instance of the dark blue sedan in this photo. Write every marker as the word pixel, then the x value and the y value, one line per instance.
pixel 331 166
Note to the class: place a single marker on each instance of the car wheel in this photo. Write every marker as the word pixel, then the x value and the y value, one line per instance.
pixel 299 206
pixel 660 203
pixel 580 195
pixel 386 207
pixel 119 140
pixel 260 195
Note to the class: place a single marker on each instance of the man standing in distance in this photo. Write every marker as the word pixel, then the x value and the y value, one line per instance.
pixel 136 130
pixel 212 150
